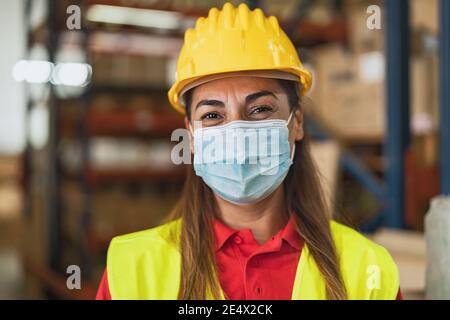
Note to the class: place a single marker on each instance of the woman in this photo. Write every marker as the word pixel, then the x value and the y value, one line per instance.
pixel 251 222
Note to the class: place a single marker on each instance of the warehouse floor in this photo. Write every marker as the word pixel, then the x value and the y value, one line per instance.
pixel 11 275
pixel 11 271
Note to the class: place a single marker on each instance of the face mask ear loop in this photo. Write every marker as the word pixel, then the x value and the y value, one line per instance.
pixel 293 152
pixel 191 130
pixel 289 119
pixel 287 123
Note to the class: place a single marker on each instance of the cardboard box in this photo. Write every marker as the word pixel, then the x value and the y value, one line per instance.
pixel 426 149
pixel 326 157
pixel 424 94
pixel 425 15
pixel 10 201
pixel 10 167
pixel 349 92
pixel 129 70
pixel 10 188
pixel 116 209
pixel 362 38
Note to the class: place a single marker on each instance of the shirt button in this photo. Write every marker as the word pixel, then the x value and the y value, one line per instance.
pixel 237 240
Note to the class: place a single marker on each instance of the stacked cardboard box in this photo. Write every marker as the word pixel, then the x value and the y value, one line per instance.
pixel 10 189
pixel 326 156
pixel 424 93
pixel 129 70
pixel 349 89
pixel 425 15
pixel 119 154
pixel 117 210
pixel 365 33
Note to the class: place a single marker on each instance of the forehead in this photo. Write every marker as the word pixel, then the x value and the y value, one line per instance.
pixel 237 85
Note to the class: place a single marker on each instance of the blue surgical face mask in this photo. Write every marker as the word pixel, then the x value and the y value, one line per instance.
pixel 243 161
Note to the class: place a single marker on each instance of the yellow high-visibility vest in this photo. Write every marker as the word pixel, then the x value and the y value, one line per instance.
pixel 147 265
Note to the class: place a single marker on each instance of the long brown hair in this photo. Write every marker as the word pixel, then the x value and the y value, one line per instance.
pixel 304 198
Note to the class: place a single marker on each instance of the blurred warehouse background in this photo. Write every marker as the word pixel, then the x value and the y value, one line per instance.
pixel 85 126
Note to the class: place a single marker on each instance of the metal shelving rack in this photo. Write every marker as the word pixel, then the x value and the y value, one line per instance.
pixel 398 132
pixel 82 128
pixel 391 192
pixel 52 191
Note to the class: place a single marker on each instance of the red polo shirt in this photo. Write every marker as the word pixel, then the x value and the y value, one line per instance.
pixel 249 270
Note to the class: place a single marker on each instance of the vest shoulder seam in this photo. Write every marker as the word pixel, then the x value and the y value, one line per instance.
pixel 155 233
pixel 352 234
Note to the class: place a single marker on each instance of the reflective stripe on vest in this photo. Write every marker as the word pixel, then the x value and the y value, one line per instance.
pixel 147 265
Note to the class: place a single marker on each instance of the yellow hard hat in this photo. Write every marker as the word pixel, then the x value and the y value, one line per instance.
pixel 233 40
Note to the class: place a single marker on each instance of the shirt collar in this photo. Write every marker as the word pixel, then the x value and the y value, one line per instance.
pixel 223 232
pixel 289 234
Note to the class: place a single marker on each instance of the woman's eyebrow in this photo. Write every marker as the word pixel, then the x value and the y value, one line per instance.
pixel 207 102
pixel 252 97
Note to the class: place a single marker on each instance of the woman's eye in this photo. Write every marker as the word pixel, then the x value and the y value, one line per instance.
pixel 210 116
pixel 261 109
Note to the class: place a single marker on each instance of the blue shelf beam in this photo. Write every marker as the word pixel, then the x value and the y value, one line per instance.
pixel 361 174
pixel 444 51
pixel 351 164
pixel 397 98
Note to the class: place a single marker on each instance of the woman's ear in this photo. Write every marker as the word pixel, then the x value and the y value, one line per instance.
pixel 187 124
pixel 298 130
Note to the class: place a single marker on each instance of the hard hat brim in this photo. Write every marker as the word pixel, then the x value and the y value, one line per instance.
pixel 177 90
